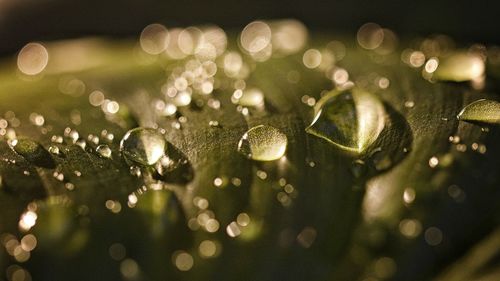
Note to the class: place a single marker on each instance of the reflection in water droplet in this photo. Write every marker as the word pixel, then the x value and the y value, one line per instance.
pixel 460 67
pixel 104 150
pixel 351 119
pixel 263 143
pixel 143 146
pixel 481 111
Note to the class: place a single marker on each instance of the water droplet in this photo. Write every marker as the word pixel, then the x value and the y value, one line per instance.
pixel 143 146
pixel 351 119
pixel 263 143
pixel 135 171
pixel 81 143
pixel 54 150
pixel 33 152
pixel 104 150
pixel 481 111
pixel 460 67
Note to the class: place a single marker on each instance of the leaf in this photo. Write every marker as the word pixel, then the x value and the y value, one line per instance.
pixel 309 214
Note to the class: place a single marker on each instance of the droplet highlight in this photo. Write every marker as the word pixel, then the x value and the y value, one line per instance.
pixel 351 119
pixel 143 146
pixel 263 143
pixel 481 111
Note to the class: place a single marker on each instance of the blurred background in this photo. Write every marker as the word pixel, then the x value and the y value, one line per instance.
pixel 22 21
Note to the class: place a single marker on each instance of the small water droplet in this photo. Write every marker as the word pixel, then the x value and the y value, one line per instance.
pixel 351 119
pixel 460 67
pixel 263 143
pixel 54 150
pixel 104 150
pixel 143 146
pixel 81 143
pixel 135 171
pixel 481 111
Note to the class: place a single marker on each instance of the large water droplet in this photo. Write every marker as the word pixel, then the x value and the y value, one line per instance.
pixel 351 119
pixel 263 143
pixel 481 111
pixel 33 152
pixel 459 67
pixel 143 146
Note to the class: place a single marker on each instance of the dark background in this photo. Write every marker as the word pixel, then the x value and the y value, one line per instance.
pixel 22 21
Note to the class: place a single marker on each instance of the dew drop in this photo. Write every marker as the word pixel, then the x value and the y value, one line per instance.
pixel 143 146
pixel 54 150
pixel 351 119
pixel 104 150
pixel 481 111
pixel 460 67
pixel 263 143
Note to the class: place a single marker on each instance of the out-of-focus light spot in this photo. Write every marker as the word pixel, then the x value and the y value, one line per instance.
pixel 218 182
pixel 337 48
pixel 72 86
pixel 409 195
pixel 288 36
pixel 433 162
pixel 173 49
pixel 189 39
pixel 117 251
pixel 182 99
pixel 340 76
pixel 183 260
pixel 255 37
pixel 431 65
pixel 96 98
pixel 216 37
pixel 17 273
pixel 370 36
pixel 252 97
pixel 28 242
pixel 209 249
pixel 36 119
pixel 306 237
pixel 410 228
pixel 212 225
pixel 417 59
pixel 111 107
pixel 154 39
pixel 233 229
pixel 389 43
pixel 232 64
pixel 129 268
pixel 312 58
pixel 243 219
pixel 433 236
pixel 28 220
pixel 385 267
pixel 113 206
pixel 383 82
pixel 32 59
